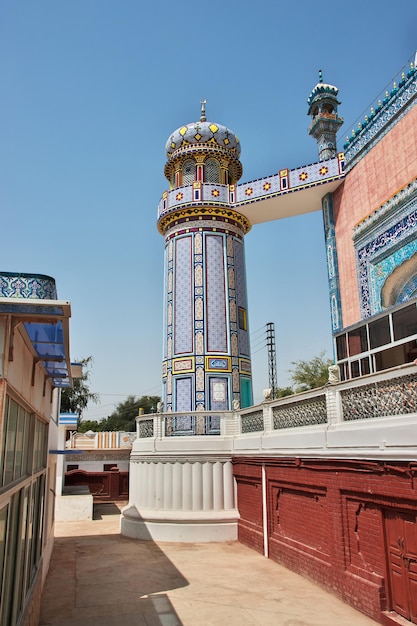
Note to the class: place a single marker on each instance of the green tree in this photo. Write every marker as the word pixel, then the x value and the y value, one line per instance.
pixel 311 374
pixel 87 425
pixel 124 416
pixel 282 392
pixel 75 399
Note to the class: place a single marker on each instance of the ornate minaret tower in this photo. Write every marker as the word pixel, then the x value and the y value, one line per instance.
pixel 206 362
pixel 325 121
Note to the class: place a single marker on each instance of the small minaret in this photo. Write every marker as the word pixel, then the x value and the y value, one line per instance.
pixel 322 107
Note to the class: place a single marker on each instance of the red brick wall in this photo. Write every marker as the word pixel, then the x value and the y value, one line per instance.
pixel 326 520
pixel 104 486
pixel 250 494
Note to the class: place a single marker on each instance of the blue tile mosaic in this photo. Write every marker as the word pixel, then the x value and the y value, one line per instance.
pixel 215 297
pixel 332 263
pixel 36 286
pixel 380 121
pixel 183 299
pixel 241 299
pixel 253 191
pixel 382 242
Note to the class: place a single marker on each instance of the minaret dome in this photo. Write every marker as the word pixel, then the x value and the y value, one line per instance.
pixel 322 107
pixel 202 151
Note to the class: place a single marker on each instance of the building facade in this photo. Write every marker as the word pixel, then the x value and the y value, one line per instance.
pixel 34 365
pixel 371 238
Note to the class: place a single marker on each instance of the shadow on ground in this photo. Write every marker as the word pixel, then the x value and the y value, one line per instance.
pixel 101 578
pixel 104 509
pixel 108 579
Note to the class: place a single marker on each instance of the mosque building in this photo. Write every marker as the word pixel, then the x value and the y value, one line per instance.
pixel 323 482
pixel 367 197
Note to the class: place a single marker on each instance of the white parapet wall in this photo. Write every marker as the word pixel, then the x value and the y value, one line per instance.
pixel 182 487
pixel 75 505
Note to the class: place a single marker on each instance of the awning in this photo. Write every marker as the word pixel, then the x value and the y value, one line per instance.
pixel 47 326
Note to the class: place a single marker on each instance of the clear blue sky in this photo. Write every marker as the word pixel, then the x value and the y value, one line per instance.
pixel 90 92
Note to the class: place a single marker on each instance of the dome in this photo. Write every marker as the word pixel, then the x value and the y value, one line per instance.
pixel 203 132
pixel 322 91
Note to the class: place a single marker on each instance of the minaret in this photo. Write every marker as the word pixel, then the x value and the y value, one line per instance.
pixel 206 361
pixel 322 107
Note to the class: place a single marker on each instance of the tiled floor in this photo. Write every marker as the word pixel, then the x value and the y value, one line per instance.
pixel 98 577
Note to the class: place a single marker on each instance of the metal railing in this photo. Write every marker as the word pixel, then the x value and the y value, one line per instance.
pixel 181 424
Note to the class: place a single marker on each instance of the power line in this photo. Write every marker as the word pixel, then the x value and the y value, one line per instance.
pixel 258 350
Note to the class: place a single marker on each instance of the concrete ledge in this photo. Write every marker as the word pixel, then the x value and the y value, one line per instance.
pixel 180 527
pixel 75 505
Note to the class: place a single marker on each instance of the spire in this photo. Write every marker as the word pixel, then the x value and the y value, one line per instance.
pixel 320 76
pixel 203 111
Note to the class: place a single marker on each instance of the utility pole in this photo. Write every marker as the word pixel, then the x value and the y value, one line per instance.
pixel 272 358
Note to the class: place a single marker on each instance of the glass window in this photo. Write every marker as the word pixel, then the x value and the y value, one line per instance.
pixel 19 444
pixel 3 535
pixel 389 358
pixel 10 561
pixel 3 438
pixel 10 443
pixel 357 341
pixel 21 560
pixel 242 318
pixel 109 467
pixel 379 334
pixel 365 367
pixel 188 172
pixel 354 369
pixel 26 508
pixel 30 444
pixel 344 371
pixel 212 171
pixel 341 347
pixel 405 322
pixel 39 518
pixel 41 440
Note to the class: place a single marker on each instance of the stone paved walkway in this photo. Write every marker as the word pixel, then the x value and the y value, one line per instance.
pixel 99 578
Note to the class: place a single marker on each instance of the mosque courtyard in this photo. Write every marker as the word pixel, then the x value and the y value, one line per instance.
pixel 98 577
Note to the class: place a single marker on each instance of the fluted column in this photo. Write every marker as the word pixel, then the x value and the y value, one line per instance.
pixel 181 499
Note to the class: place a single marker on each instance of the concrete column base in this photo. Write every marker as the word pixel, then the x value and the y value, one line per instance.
pixel 179 526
